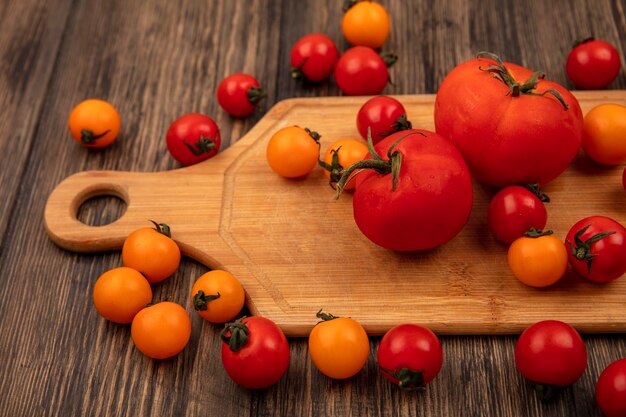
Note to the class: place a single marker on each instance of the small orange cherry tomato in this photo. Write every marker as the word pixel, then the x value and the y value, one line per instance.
pixel 152 252
pixel 94 123
pixel 120 293
pixel 538 258
pixel 293 152
pixel 341 154
pixel 366 23
pixel 338 346
pixel 161 330
pixel 604 134
pixel 217 296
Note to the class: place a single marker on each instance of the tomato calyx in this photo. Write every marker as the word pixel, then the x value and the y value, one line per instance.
pixel 334 168
pixel 202 146
pixel 582 249
pixel 162 228
pixel 534 188
pixel 401 123
pixel 579 42
pixel 201 300
pixel 325 316
pixel 390 166
pixel 235 334
pixel 389 58
pixel 255 94
pixel 296 72
pixel 88 137
pixel 535 233
pixel 501 72
pixel 408 379
pixel 545 392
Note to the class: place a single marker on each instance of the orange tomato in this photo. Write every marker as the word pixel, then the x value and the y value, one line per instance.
pixel 151 252
pixel 120 293
pixel 94 123
pixel 604 134
pixel 338 346
pixel 366 23
pixel 538 261
pixel 217 296
pixel 293 152
pixel 161 330
pixel 341 154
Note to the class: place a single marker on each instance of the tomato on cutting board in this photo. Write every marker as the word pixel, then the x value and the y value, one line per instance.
pixel 596 248
pixel 512 125
pixel 217 296
pixel 604 134
pixel 293 151
pixel 416 196
pixel 538 258
pixel 340 155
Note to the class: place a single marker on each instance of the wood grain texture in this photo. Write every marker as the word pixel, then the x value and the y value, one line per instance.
pixel 296 249
pixel 157 60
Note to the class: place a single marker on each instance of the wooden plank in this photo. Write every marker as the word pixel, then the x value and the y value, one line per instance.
pixel 297 250
pixel 31 36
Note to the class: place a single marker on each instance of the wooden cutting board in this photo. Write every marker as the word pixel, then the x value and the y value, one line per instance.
pixel 296 249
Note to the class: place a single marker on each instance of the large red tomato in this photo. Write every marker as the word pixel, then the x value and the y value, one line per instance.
pixel 511 125
pixel 417 196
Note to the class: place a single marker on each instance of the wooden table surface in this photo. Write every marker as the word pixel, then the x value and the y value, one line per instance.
pixel 156 60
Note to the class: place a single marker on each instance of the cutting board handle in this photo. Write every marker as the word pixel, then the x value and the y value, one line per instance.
pixel 61 210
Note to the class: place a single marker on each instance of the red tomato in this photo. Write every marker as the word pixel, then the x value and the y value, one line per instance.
pixel 383 115
pixel 361 71
pixel 506 122
pixel 418 197
pixel 313 57
pixel 255 352
pixel 192 138
pixel 592 64
pixel 238 94
pixel 513 211
pixel 551 354
pixel 596 248
pixel 410 356
pixel 611 389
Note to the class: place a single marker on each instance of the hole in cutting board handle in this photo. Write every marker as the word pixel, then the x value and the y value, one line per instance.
pixel 101 210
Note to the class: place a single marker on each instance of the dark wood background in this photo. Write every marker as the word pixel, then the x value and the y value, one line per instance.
pixel 156 60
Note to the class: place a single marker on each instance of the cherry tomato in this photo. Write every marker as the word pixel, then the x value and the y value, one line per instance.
pixel 624 178
pixel 338 346
pixel 551 354
pixel 611 389
pixel 217 296
pixel 293 152
pixel 366 23
pixel 255 352
pixel 192 138
pixel 120 293
pixel 152 252
pixel 514 210
pixel 239 94
pixel 361 71
pixel 382 115
pixel 94 123
pixel 538 258
pixel 592 64
pixel 604 132
pixel 313 57
pixel 596 248
pixel 341 154
pixel 161 330
pixel 410 356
